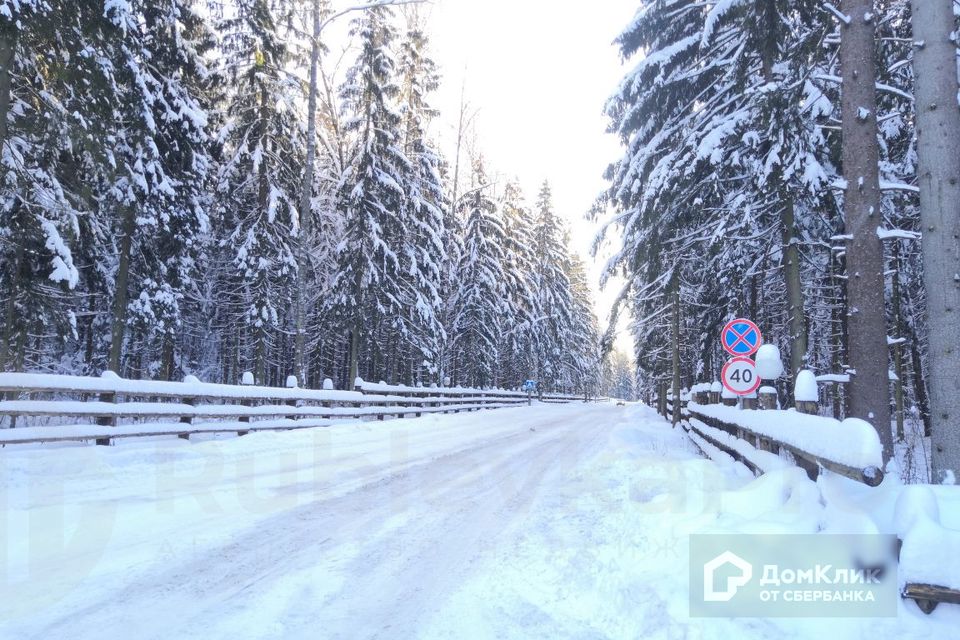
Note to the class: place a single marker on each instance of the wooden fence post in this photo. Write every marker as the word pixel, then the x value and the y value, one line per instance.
pixel 768 398
pixel 805 392
pixel 292 383
pixel 188 401
pixel 246 380
pixel 715 389
pixel 729 399
pixel 327 386
pixel 111 397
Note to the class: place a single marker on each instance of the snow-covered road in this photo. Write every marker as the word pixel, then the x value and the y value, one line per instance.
pixel 550 521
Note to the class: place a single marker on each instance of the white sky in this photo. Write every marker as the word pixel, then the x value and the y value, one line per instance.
pixel 538 72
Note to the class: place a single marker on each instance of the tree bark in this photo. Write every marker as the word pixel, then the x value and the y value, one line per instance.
pixel 8 46
pixel 9 316
pixel 896 301
pixel 675 329
pixel 869 386
pixel 938 134
pixel 795 311
pixel 119 326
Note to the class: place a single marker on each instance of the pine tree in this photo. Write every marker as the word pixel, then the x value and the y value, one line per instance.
pixel 424 251
pixel 480 300
pixel 258 184
pixel 369 286
pixel 552 287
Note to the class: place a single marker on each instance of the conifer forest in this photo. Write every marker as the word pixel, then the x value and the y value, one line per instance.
pixel 210 187
pixel 187 191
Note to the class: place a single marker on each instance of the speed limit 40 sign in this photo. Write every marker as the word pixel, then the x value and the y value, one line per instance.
pixel 739 376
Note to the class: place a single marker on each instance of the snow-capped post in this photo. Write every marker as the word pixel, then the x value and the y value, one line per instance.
pixel 770 367
pixel 749 401
pixel 805 393
pixel 769 363
pixel 768 397
pixel 728 398
pixel 188 401
pixel 246 380
pixel 108 396
pixel 292 383
pixel 715 390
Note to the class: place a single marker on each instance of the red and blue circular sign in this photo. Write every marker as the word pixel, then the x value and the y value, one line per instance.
pixel 741 337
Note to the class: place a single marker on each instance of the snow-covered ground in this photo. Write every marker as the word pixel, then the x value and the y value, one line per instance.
pixel 562 521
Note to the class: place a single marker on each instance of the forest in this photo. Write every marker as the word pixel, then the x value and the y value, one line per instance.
pixel 196 187
pixel 786 161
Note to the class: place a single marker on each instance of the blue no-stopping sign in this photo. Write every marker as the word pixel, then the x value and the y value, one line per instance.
pixel 741 337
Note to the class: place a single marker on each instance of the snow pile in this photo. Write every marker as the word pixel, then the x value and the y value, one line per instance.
pixel 769 364
pixel 700 387
pixel 930 553
pixel 805 388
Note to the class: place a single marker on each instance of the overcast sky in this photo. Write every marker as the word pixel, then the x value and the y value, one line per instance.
pixel 539 73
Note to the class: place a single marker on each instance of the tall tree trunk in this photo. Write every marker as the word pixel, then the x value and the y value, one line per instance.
pixel 8 46
pixel 166 358
pixel 795 312
pixel 675 330
pixel 938 134
pixel 896 301
pixel 121 292
pixel 353 369
pixel 10 315
pixel 870 384
pixel 306 193
pixel 920 383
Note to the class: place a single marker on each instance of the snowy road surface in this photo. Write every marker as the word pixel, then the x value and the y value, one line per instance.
pixel 562 521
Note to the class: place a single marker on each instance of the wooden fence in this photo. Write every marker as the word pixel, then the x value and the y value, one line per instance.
pixel 107 408
pixel 764 438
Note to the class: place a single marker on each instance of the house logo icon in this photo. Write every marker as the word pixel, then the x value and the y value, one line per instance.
pixel 710 594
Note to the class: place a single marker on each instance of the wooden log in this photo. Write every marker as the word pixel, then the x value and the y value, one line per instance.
pixel 928 596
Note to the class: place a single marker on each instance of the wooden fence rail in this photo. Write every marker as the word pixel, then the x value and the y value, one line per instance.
pixel 814 442
pixel 771 438
pixel 112 407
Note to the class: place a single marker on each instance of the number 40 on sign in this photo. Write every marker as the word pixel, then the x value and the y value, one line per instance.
pixel 739 376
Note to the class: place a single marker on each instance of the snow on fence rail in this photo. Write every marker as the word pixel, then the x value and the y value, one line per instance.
pixel 204 408
pixel 756 438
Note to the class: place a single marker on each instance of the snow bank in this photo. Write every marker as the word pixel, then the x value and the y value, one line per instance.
pixel 930 553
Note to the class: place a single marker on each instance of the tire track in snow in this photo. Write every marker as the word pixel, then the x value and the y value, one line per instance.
pixel 368 563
